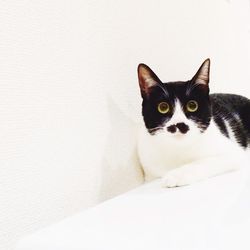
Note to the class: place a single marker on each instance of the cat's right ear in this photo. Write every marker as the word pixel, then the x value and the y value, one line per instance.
pixel 147 79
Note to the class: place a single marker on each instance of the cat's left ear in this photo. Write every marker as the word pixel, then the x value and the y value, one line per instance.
pixel 202 75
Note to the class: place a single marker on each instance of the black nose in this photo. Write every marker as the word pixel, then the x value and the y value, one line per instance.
pixel 183 128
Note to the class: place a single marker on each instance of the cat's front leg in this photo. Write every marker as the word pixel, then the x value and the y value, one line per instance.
pixel 202 169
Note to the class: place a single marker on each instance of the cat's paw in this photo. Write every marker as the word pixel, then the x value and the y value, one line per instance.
pixel 177 178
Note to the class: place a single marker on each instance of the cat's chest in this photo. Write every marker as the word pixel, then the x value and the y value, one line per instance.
pixel 157 156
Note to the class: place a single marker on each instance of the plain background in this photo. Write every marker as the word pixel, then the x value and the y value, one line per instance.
pixel 69 96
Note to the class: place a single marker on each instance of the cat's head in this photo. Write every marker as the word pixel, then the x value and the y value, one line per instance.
pixel 177 109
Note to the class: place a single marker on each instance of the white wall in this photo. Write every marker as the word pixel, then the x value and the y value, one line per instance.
pixel 68 91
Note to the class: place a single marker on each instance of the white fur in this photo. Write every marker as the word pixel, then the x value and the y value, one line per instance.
pixel 181 159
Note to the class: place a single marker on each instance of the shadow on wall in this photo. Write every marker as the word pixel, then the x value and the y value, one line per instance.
pixel 121 170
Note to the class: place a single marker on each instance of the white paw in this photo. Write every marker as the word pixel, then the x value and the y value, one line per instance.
pixel 177 178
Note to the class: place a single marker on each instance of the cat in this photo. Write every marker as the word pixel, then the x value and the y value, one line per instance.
pixel 189 134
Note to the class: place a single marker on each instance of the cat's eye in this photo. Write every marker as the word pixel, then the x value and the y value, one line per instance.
pixel 192 106
pixel 163 107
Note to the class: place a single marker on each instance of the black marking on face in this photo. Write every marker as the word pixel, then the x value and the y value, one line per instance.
pixel 183 128
pixel 172 129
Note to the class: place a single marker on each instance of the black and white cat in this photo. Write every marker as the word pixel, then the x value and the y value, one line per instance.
pixel 190 135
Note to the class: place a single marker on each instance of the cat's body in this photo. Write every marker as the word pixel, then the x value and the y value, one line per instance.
pixel 190 135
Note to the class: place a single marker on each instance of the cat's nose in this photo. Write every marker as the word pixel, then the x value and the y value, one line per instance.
pixel 182 127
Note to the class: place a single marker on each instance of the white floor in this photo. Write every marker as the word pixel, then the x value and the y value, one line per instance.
pixel 213 214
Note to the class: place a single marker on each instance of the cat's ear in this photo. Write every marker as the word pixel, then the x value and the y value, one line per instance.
pixel 147 79
pixel 202 75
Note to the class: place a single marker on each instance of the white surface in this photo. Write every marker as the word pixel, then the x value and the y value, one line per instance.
pixel 213 214
pixel 62 148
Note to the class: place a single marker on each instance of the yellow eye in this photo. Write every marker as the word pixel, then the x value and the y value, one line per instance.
pixel 163 107
pixel 192 106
